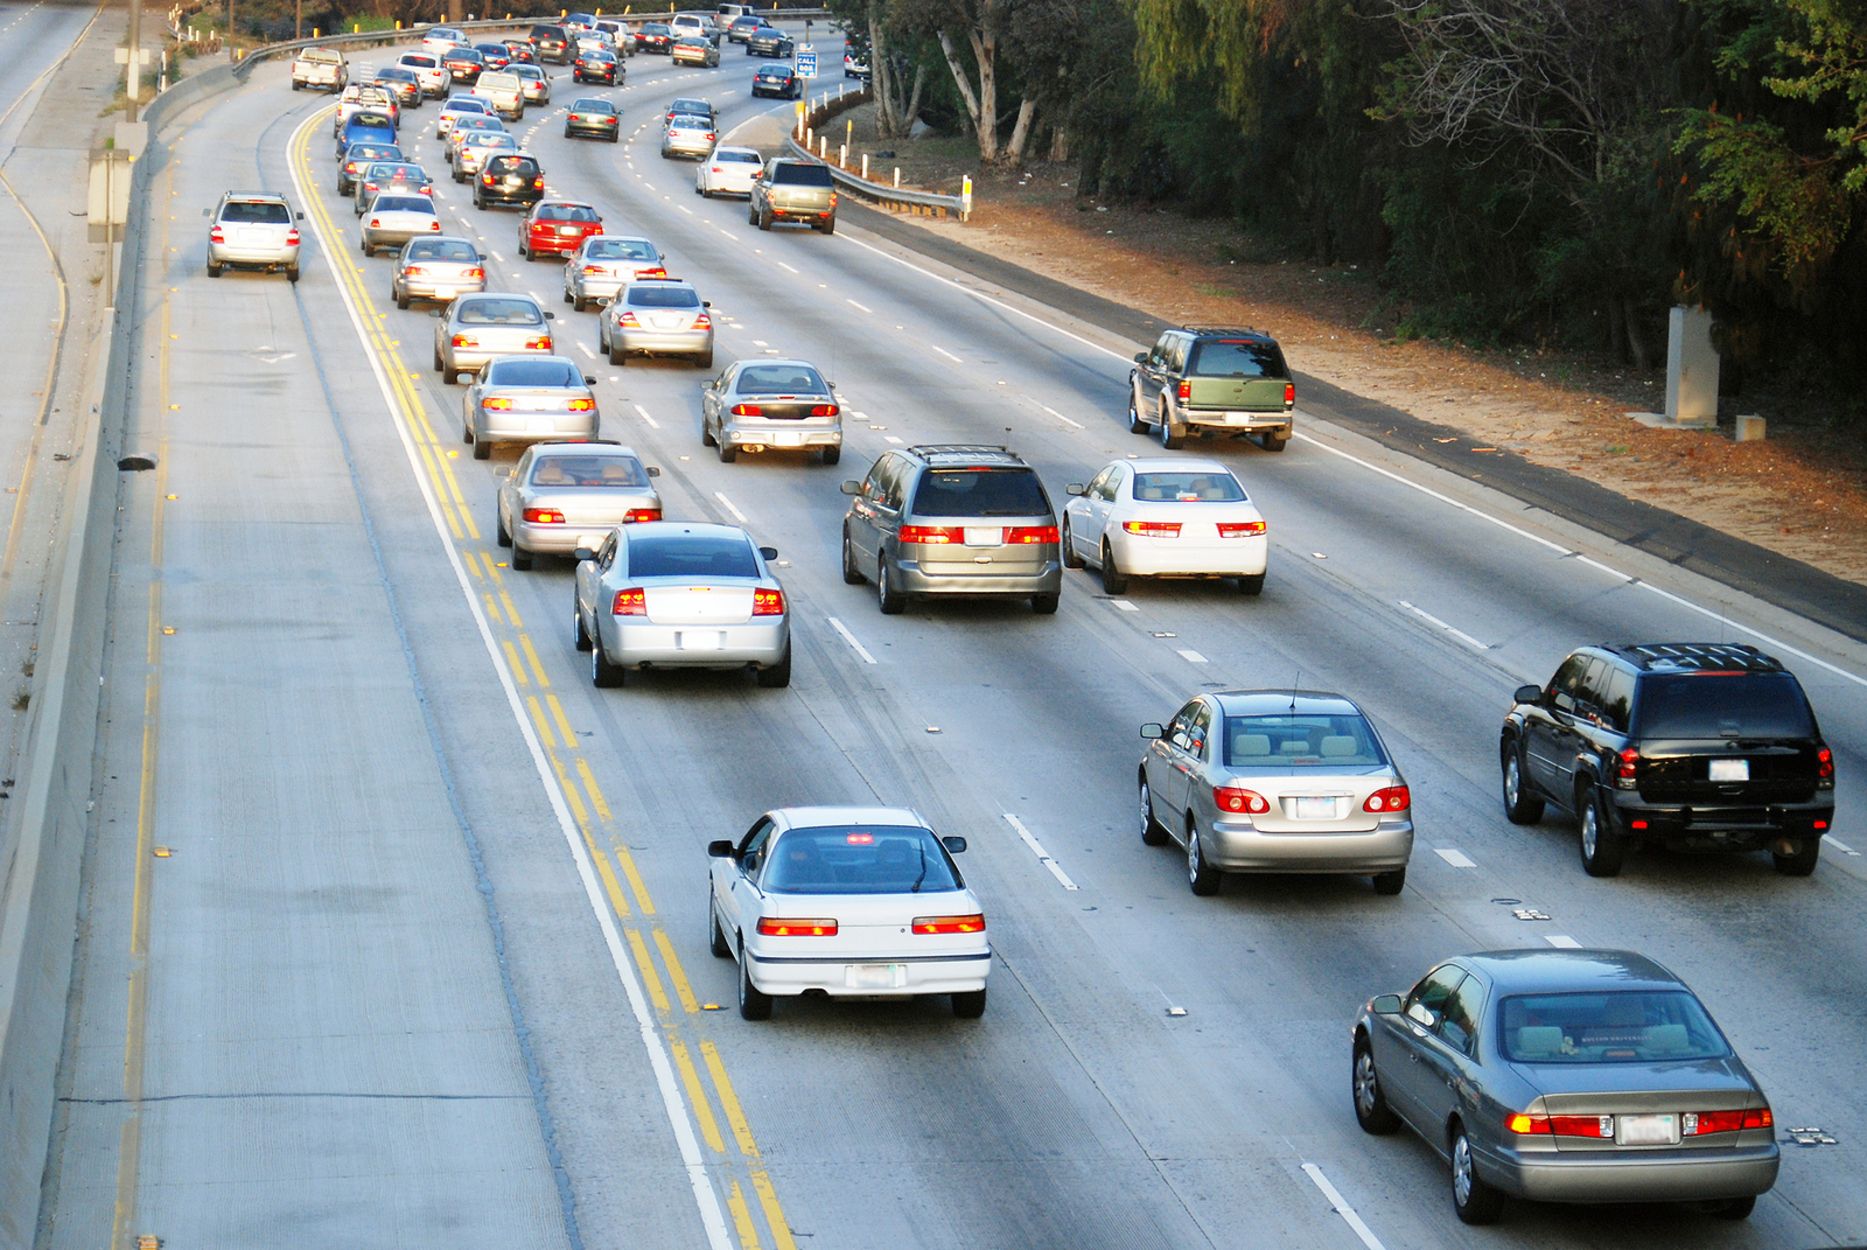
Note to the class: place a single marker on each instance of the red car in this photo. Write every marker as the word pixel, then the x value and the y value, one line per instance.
pixel 557 228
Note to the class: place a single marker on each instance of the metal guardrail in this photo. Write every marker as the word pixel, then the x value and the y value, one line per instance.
pixel 899 199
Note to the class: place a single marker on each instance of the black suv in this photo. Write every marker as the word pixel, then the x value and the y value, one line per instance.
pixel 551 43
pixel 952 520
pixel 509 179
pixel 1210 381
pixel 1699 745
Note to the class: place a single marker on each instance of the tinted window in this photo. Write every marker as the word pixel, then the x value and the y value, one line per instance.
pixel 620 249
pixel 622 471
pixel 1437 986
pixel 593 106
pixel 1301 740
pixel 1459 1028
pixel 870 859
pixel 402 204
pixel 1188 487
pixel 980 492
pixel 437 249
pixel 654 28
pixel 1567 682
pixel 802 175
pixel 1622 1026
pixel 688 121
pixel 464 106
pixel 780 380
pixel 1236 358
pixel 377 120
pixel 663 297
pixel 567 212
pixel 498 312
pixel 418 60
pixel 257 214
pixel 1749 705
pixel 532 373
pixel 1618 698
pixel 511 165
pixel 691 555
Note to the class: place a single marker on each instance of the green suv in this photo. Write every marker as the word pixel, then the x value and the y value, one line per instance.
pixel 1197 381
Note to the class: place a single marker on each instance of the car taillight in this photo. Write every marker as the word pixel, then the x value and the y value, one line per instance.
pixel 465 340
pixel 702 322
pixel 538 184
pixel 581 405
pixel 767 602
pixel 748 410
pixel 476 272
pixel 1238 799
pixel 1596 1126
pixel 217 235
pixel 1699 1123
pixel 929 534
pixel 1389 799
pixel 434 227
pixel 832 198
pixel 824 410
pixel 711 137
pixel 1824 766
pixel 656 272
pixel 1627 769
pixel 625 318
pixel 1024 534
pixel 1152 529
pixel 291 237
pixel 486 180
pixel 1240 529
pixel 949 924
pixel 539 344
pixel 1290 393
pixel 632 601
pixel 641 514
pixel 1185 392
pixel 544 516
pixel 717 169
pixel 413 271
pixel 375 221
pixel 593 271
pixel 769 926
pixel 496 404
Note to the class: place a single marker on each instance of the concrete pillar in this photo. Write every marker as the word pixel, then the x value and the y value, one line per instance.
pixel 1691 368
pixel 1750 428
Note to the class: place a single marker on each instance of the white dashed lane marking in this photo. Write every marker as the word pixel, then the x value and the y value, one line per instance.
pixel 1454 856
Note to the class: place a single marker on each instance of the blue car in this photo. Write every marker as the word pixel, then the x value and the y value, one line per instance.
pixel 365 128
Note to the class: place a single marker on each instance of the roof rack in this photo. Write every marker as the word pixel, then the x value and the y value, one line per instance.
pixel 957 449
pixel 1239 330
pixel 1689 657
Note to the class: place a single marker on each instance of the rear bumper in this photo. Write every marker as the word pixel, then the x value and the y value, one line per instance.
pixel 1656 1176
pixel 1045 579
pixel 1234 421
pixel 1239 847
pixel 445 292
pixel 392 236
pixel 779 436
pixel 507 427
pixel 558 540
pixel 586 128
pixel 231 254
pixel 1722 826
pixel 666 342
pixel 636 643
pixel 907 975
pixel 1173 557
pixel 687 147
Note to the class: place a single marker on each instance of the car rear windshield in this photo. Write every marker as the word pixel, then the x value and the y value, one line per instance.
pixel 395 171
pixel 459 105
pixel 1236 358
pixel 1616 1026
pixel 689 121
pixel 567 212
pixel 444 249
pixel 980 492
pixel 533 373
pixel 466 54
pixel 737 158
pixel 654 28
pixel 620 249
pixel 512 165
pixel 372 152
pixel 663 297
pixel 780 380
pixel 615 471
pixel 1733 705
pixel 419 60
pixel 500 312
pixel 691 555
pixel 593 106
pixel 403 204
pixel 803 175
pixel 1301 740
pixel 866 859
pixel 248 213
pixel 548 32
pixel 378 121
pixel 1188 488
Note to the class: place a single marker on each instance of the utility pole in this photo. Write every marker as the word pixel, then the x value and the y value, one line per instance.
pixel 298 19
pixel 135 62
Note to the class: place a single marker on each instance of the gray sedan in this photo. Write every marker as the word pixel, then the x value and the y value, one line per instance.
pixel 393 220
pixel 681 594
pixel 688 135
pixel 438 268
pixel 597 269
pixel 657 317
pixel 475 328
pixel 1276 781
pixel 562 496
pixel 780 405
pixel 528 399
pixel 1579 1076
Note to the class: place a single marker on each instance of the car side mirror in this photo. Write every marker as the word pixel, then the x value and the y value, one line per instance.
pixel 300 216
pixel 550 316
pixel 770 553
pixel 1140 358
pixel 582 554
pixel 588 380
pixel 852 487
pixel 1423 1015
pixel 1528 694
pixel 1153 730
pixel 722 849
pixel 954 843
pixel 706 303
pixel 1385 1005
pixel 653 471
pixel 440 313
pixel 1076 488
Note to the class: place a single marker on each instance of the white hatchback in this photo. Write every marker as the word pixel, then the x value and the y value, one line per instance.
pixel 1165 517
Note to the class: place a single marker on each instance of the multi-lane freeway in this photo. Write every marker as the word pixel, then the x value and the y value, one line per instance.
pixel 395 924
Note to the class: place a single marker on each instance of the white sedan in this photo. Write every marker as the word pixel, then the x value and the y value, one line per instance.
pixel 728 171
pixel 846 902
pixel 1165 517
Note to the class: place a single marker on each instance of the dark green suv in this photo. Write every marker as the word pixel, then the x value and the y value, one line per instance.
pixel 1199 381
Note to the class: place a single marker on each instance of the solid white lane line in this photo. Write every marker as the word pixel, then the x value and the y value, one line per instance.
pixel 1059 416
pixel 1430 619
pixel 1190 656
pixel 643 412
pixel 1339 1205
pixel 1043 856
pixel 858 307
pixel 1562 941
pixel 728 505
pixel 1839 845
pixel 850 638
pixel 1454 856
pixel 944 352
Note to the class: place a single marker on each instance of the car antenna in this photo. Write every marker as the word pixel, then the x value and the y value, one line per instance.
pixel 1294 684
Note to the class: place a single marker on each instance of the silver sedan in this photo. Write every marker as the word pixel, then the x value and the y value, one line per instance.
pixel 439 268
pixel 1579 1076
pixel 475 328
pixel 657 317
pixel 681 594
pixel 528 399
pixel 393 220
pixel 779 405
pixel 599 267
pixel 562 496
pixel 1276 781
pixel 688 135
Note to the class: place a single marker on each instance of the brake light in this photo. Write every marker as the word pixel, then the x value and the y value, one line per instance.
pixel 1389 799
pixel 544 516
pixel 641 514
pixel 1185 392
pixel 375 221
pixel 539 344
pixel 718 169
pixel 1825 766
pixel 949 924
pixel 594 271
pixel 1627 768
pixel 465 340
pixel 486 180
pixel 1237 799
pixel 767 602
pixel 769 926
pixel 632 601
pixel 581 405
pixel 217 235
pixel 1240 529
pixel 291 237
pixel 625 318
pixel 434 227
pixel 1152 529
pixel 711 136
pixel 1290 394
pixel 703 322
pixel 413 271
pixel 929 534
pixel 1698 1123
pixel 496 405
pixel 824 410
pixel 538 184
pixel 748 410
pixel 1024 534
pixel 656 272
pixel 1600 1127
pixel 476 272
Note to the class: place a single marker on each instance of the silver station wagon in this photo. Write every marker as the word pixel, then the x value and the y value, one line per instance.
pixel 562 496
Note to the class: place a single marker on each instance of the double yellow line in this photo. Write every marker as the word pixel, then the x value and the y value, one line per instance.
pixel 622 881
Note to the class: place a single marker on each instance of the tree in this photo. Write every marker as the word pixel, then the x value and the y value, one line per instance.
pixel 978 25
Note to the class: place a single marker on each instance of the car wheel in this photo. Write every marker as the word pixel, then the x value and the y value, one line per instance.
pixel 778 675
pixel 1251 584
pixel 482 448
pixel 1521 807
pixel 706 434
pixel 969 1005
pixel 617 356
pixel 728 452
pixel 751 214
pixel 525 250
pixel 852 576
pixel 1045 605
pixel 1371 1109
pixel 613 137
pixel 401 300
pixel 579 636
pixel 754 1003
pixel 1153 833
pixel 764 219
pixel 1736 1209
pixel 891 601
pixel 1801 861
pixel 1388 884
pixel 579 303
pixel 716 941
pixel 521 558
pixel 1168 438
pixel 367 250
pixel 291 275
pixel 1071 558
pixel 439 365
pixel 832 454
pixel 603 674
pixel 214 271
pixel 704 360
pixel 1603 848
pixel 828 227
pixel 1202 877
pixel 501 535
pixel 1474 1201
pixel 1271 442
pixel 1114 581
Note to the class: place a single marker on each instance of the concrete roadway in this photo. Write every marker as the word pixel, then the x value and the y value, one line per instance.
pixel 426 967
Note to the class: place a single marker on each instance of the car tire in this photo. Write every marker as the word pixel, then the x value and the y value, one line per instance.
pixel 764 219
pixel 1046 605
pixel 613 137
pixel 751 213
pixel 716 941
pixel 706 434
pixel 1371 1109
pixel 401 300
pixel 969 1004
pixel 291 275
pixel 891 601
pixel 1272 442
pixel 1602 846
pixel 1473 1201
pixel 778 675
pixel 1801 861
pixel 728 452
pixel 1153 833
pixel 1388 884
pixel 754 1003
pixel 439 365
pixel 603 674
pixel 501 535
pixel 521 558
pixel 214 271
pixel 1521 806
pixel 579 636
pixel 704 360
pixel 1114 581
pixel 482 449
pixel 1251 584
pixel 852 576
pixel 828 227
pixel 831 455
pixel 366 248
pixel 1201 877
pixel 617 356
pixel 1168 439
pixel 1736 1209
pixel 1071 559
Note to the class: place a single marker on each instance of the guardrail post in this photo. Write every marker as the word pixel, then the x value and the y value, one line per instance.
pixel 897 177
pixel 842 156
pixel 823 147
pixel 865 166
pixel 965 198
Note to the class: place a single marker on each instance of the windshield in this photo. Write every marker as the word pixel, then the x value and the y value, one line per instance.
pixel 802 175
pixel 663 297
pixel 533 373
pixel 1188 488
pixel 403 204
pixel 1619 1026
pixel 980 492
pixel 691 555
pixel 567 212
pixel 499 312
pixel 619 249
pixel 443 249
pixel 614 471
pixel 1301 740
pixel 1703 705
pixel 1237 358
pixel 864 859
pixel 780 380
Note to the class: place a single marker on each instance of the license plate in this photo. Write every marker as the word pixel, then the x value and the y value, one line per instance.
pixel 789 440
pixel 700 640
pixel 1730 770
pixel 1646 1130
pixel 1314 808
pixel 984 535
pixel 874 976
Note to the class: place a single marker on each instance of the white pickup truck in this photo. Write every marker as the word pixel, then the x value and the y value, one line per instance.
pixel 323 68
